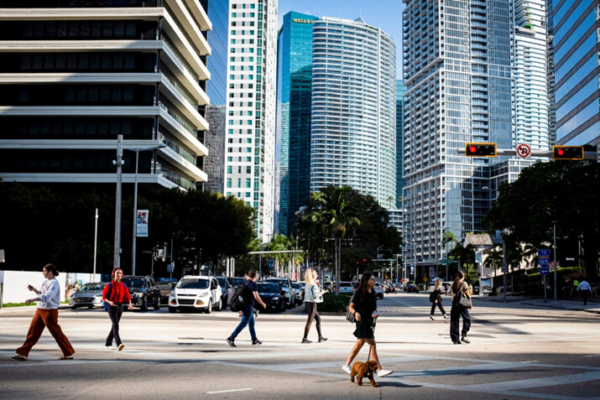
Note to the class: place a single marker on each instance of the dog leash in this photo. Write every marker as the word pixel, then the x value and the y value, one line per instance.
pixel 372 341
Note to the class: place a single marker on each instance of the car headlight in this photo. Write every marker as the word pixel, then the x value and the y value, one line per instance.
pixel 203 294
pixel 276 298
pixel 172 294
pixel 139 294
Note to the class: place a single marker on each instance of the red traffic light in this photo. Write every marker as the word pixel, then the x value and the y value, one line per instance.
pixel 480 149
pixel 567 153
pixel 364 260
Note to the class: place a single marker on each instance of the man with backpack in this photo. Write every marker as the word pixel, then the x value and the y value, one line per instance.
pixel 243 301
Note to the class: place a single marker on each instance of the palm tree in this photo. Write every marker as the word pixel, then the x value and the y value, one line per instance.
pixel 337 218
pixel 494 259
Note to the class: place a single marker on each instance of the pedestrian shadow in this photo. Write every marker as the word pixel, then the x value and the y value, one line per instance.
pixel 397 385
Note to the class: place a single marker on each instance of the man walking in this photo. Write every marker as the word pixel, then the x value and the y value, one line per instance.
pixel 46 315
pixel 584 290
pixel 250 296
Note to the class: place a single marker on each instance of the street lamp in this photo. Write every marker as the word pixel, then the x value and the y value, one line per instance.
pixel 135 190
pixel 555 262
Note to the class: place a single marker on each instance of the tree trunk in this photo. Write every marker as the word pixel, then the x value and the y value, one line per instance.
pixel 338 262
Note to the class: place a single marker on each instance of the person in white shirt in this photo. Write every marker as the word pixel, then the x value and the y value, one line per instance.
pixel 46 315
pixel 584 290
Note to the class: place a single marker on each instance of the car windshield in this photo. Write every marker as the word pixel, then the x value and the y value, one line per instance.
pixel 268 288
pixel 283 282
pixel 193 284
pixel 222 282
pixel 92 286
pixel 345 284
pixel 296 285
pixel 237 281
pixel 133 283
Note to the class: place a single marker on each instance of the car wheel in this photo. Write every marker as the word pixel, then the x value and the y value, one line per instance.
pixel 209 308
pixel 157 303
pixel 282 306
pixel 90 307
pixel 172 310
pixel 219 305
pixel 144 306
pixel 73 307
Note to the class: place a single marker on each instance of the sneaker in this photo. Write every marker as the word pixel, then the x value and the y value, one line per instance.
pixel 431 318
pixel 322 339
pixel 346 369
pixel 457 342
pixel 121 346
pixel 110 347
pixel 307 341
pixel 230 341
pixel 465 340
pixel 446 316
pixel 383 372
pixel 256 342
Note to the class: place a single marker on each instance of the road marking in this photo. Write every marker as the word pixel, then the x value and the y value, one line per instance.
pixel 230 390
pixel 592 355
pixel 405 304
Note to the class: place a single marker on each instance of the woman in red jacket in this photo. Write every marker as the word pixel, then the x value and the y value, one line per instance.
pixel 116 294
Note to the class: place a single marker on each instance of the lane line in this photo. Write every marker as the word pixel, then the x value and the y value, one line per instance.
pixel 230 391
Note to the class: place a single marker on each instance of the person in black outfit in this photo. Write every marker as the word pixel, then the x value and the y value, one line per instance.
pixel 250 295
pixel 460 286
pixel 364 307
pixel 436 296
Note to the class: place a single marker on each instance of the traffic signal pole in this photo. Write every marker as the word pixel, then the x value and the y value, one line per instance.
pixel 587 155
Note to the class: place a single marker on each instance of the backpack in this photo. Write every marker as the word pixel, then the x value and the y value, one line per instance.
pixel 236 302
pixel 106 305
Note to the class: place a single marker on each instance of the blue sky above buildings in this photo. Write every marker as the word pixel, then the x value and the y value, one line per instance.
pixel 384 14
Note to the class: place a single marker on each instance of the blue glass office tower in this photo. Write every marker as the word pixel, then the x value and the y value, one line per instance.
pixel 294 86
pixel 216 89
pixel 576 48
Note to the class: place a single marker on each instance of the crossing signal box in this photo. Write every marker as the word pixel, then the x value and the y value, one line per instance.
pixel 480 149
pixel 567 153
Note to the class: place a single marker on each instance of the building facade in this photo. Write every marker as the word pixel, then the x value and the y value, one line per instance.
pixel 216 88
pixel 353 112
pixel 576 72
pixel 294 77
pixel 251 90
pixel 76 74
pixel 400 92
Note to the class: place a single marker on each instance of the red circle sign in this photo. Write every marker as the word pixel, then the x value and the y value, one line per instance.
pixel 523 150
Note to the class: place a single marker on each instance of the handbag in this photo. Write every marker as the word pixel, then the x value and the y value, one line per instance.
pixel 463 301
pixel 350 315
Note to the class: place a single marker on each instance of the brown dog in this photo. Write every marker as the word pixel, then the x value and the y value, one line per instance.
pixel 363 369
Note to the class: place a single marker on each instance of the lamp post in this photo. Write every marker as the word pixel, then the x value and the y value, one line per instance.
pixel 555 261
pixel 135 190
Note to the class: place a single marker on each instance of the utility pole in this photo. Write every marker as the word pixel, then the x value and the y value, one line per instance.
pixel 95 242
pixel 555 260
pixel 119 164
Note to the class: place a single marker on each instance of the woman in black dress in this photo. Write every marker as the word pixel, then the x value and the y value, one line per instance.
pixel 364 307
pixel 436 299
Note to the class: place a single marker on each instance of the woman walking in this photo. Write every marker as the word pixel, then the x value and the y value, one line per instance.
pixel 364 307
pixel 312 296
pixel 116 294
pixel 46 316
pixel 436 300
pixel 460 289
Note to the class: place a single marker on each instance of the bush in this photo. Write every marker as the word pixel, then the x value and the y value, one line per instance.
pixel 333 303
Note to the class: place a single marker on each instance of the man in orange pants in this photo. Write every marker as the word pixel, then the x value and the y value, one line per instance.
pixel 46 315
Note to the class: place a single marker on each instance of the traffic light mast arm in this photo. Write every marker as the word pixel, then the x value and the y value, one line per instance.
pixel 587 155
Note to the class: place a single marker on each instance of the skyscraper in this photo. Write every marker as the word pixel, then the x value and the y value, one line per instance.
pixel 400 91
pixel 75 74
pixel 457 69
pixel 353 116
pixel 251 85
pixel 577 98
pixel 293 113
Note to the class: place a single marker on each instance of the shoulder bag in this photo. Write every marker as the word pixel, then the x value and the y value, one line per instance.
pixel 462 300
pixel 349 314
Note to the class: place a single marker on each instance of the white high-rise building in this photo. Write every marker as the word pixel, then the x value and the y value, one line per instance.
pixel 250 136
pixel 353 132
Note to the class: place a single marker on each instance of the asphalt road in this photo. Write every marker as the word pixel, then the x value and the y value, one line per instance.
pixel 516 352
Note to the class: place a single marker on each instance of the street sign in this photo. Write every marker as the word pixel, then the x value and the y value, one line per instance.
pixel 523 150
pixel 544 261
pixel 412 268
pixel 504 267
pixel 271 263
pixel 425 279
pixel 444 261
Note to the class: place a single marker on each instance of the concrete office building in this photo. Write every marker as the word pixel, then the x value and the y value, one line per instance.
pixel 75 74
pixel 294 75
pixel 576 72
pixel 251 86
pixel 353 116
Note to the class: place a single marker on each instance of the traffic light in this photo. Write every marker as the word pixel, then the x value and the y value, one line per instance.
pixel 567 152
pixel 480 149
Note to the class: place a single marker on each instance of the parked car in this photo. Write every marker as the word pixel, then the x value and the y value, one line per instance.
pixel 144 291
pixel 270 293
pixel 299 286
pixel 90 296
pixel 226 287
pixel 286 286
pixel 412 288
pixel 346 287
pixel 235 281
pixel 379 290
pixel 196 293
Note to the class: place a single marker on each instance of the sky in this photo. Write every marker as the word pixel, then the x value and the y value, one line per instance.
pixel 384 14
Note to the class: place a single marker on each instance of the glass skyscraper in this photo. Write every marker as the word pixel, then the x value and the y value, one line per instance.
pixel 576 73
pixel 353 116
pixel 400 91
pixel 294 88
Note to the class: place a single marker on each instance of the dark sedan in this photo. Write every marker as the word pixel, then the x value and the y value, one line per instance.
pixel 270 293
pixel 412 288
pixel 225 289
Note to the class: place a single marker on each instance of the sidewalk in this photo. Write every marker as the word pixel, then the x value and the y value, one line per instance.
pixel 572 305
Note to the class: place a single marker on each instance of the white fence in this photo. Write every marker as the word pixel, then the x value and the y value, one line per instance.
pixel 14 284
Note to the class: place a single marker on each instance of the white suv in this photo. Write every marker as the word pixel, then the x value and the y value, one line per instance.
pixel 196 292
